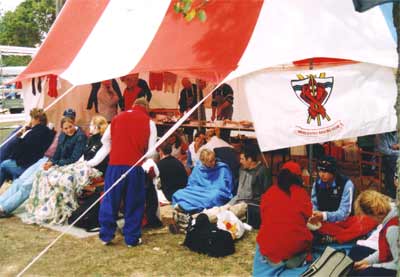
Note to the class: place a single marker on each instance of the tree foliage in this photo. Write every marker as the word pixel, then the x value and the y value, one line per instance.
pixel 28 24
pixel 191 8
pixel 15 60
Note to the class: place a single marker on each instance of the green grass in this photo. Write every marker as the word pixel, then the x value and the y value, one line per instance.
pixel 160 255
pixel 6 128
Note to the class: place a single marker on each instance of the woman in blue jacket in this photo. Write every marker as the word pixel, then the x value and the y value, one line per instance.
pixel 71 144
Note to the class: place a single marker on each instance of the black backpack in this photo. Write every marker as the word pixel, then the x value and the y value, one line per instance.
pixel 90 221
pixel 205 238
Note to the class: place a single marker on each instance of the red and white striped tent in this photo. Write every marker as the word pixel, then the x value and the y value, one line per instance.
pixel 254 42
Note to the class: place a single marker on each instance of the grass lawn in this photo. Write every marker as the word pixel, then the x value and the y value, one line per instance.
pixel 6 128
pixel 160 255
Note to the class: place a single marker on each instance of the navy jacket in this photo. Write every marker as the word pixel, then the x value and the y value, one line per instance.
pixel 29 149
pixel 69 149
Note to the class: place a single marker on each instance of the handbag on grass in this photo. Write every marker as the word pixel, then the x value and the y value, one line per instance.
pixel 332 263
pixel 253 215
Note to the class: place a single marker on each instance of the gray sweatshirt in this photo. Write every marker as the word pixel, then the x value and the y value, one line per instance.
pixel 392 234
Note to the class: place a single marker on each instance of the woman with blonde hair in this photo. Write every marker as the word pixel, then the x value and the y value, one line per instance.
pixel 383 261
pixel 97 127
pixel 209 185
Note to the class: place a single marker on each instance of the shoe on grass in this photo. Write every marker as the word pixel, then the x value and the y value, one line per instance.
pixel 153 225
pixel 3 214
pixel 138 242
pixel 106 242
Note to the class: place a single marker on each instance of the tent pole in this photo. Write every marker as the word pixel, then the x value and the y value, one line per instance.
pixel 310 167
pixel 59 98
pixel 310 146
pixel 396 22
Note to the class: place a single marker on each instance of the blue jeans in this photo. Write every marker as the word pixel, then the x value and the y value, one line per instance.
pixel 10 170
pixel 263 267
pixel 20 189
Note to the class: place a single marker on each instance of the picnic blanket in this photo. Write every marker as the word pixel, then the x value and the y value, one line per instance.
pixel 54 193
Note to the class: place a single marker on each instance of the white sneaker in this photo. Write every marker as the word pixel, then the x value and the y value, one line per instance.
pixel 139 242
pixel 3 214
pixel 106 242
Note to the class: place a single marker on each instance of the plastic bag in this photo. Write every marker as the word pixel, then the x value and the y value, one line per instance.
pixel 228 221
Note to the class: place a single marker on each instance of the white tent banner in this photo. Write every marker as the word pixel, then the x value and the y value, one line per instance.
pixel 298 107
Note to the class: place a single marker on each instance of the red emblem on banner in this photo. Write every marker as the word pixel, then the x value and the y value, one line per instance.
pixel 314 92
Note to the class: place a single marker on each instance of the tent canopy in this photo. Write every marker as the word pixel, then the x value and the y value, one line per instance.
pixel 245 41
pixel 115 37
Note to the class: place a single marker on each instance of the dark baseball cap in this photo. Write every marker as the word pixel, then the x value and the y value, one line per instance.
pixel 70 113
pixel 327 164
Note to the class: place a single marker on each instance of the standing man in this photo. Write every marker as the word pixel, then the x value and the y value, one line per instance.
pixel 222 103
pixel 135 88
pixel 107 100
pixel 131 134
pixel 388 145
pixel 187 97
pixel 222 107
pixel 190 95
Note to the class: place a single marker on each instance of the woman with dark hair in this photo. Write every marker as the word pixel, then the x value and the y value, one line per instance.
pixel 179 147
pixel 284 239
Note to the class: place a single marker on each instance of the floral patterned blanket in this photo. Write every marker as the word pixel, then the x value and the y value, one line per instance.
pixel 54 193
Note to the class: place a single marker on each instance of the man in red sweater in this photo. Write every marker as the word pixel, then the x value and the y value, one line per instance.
pixel 135 89
pixel 131 134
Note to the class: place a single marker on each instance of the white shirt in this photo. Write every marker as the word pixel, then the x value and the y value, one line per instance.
pixel 106 141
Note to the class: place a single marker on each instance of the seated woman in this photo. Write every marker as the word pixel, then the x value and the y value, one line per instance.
pixel 71 144
pixel 30 144
pixel 383 261
pixel 53 195
pixel 97 127
pixel 209 185
pixel 193 151
pixel 179 146
pixel 284 239
pixel 27 154
pixel 22 186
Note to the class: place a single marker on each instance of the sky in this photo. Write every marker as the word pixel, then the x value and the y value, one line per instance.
pixel 7 5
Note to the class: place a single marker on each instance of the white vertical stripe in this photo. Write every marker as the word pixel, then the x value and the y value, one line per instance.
pixel 287 31
pixel 118 40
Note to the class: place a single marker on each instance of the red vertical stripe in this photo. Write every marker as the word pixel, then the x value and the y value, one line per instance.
pixel 66 37
pixel 209 49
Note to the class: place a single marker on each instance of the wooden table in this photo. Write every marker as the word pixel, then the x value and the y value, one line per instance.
pixel 207 124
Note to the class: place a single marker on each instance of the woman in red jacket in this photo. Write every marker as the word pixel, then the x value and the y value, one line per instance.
pixel 284 239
